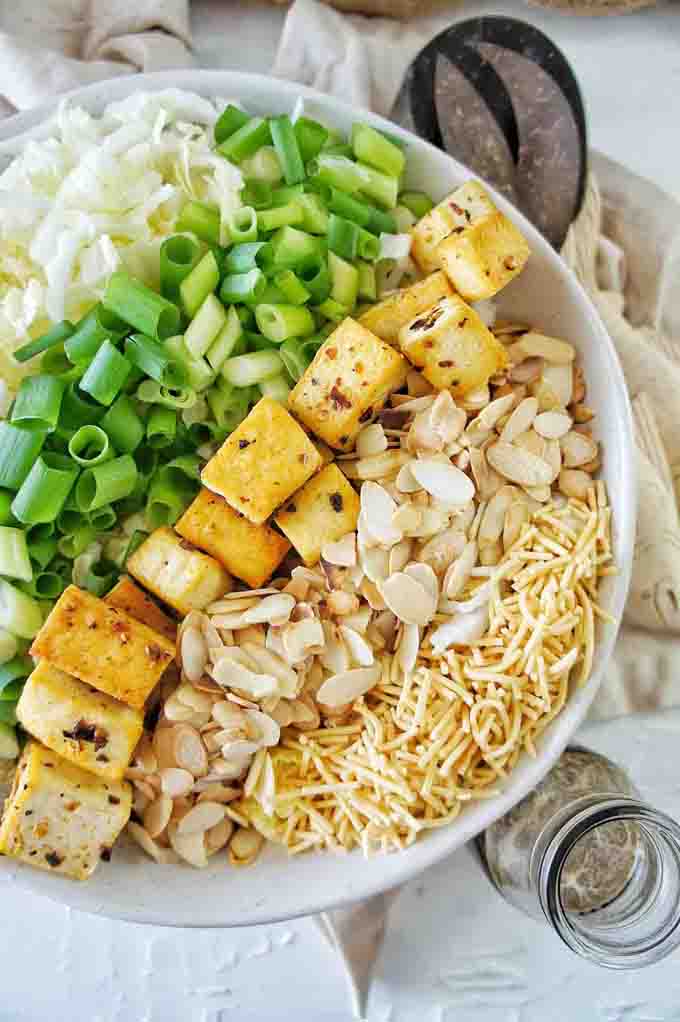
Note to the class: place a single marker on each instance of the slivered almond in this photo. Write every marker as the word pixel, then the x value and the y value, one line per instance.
pixel 442 549
pixel 555 387
pixel 518 465
pixel 348 686
pixel 460 630
pixel 343 552
pixel 493 519
pixel 520 420
pixel 302 638
pixel 552 425
pixel 148 845
pixel 199 819
pixel 494 411
pixel 424 575
pixel 176 782
pixel 189 751
pixel 443 481
pixel 535 345
pixel 458 572
pixel 577 449
pixel 270 610
pixel 360 651
pixel 157 815
pixel 407 650
pixel 408 599
pixel 377 509
pixel 190 847
pixel 371 441
pixel 487 479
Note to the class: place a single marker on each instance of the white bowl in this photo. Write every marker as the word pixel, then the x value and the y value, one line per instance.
pixel 546 295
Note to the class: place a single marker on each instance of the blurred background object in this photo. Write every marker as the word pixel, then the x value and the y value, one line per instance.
pixel 418 8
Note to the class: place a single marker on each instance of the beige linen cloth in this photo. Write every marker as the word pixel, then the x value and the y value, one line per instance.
pixel 624 247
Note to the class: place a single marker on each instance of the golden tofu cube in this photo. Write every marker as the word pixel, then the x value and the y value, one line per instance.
pixel 351 377
pixel 126 596
pixel 478 247
pixel 387 318
pixel 177 573
pixel 483 254
pixel 79 723
pixel 251 552
pixel 453 347
pixel 326 508
pixel 268 457
pixel 60 818
pixel 103 646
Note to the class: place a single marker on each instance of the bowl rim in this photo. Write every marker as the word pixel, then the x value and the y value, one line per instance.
pixel 37 123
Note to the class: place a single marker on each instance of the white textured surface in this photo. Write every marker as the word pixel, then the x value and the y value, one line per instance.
pixel 449 925
pixel 455 951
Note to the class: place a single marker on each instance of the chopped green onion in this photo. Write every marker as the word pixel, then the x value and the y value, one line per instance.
pixel 257 193
pixel 370 146
pixel 69 518
pixel 161 426
pixel 106 483
pixel 18 450
pixel 8 646
pixel 242 225
pixel 204 327
pixel 243 287
pixel 152 358
pixel 123 425
pixel 368 246
pixel 8 716
pixel 73 544
pixel 42 551
pixel 6 516
pixel 16 669
pixel 367 282
pixel 19 613
pixel 280 216
pixel 178 256
pixel 54 361
pixel 294 248
pixel 224 344
pixel 294 358
pixel 333 310
pixel 57 335
pixel 14 559
pixel 200 219
pixel 246 370
pixel 256 342
pixel 167 501
pixel 103 518
pixel 350 208
pixel 198 284
pixel 378 186
pixel 381 222
pixel 228 404
pixel 77 410
pixel 277 389
pixel 151 392
pixel 287 193
pixel 292 287
pixel 311 137
pixel 9 745
pixel 314 213
pixel 89 446
pixel 287 149
pixel 338 172
pixel 48 585
pixel 43 530
pixel 418 202
pixel 100 577
pixel 229 121
pixel 106 374
pixel 140 307
pixel 279 322
pixel 263 166
pixel 44 491
pixel 253 255
pixel 246 140
pixel 343 237
pixel 37 403
pixel 316 278
pixel 344 281
pixel 91 332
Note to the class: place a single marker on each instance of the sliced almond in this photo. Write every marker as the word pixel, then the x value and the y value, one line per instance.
pixel 488 481
pixel 349 686
pixel 361 653
pixel 458 573
pixel 378 467
pixel 147 844
pixel 340 602
pixel 424 575
pixel 573 482
pixel 558 379
pixel 493 519
pixel 443 481
pixel 176 710
pixel 189 751
pixel 400 555
pixel 582 413
pixel 374 562
pixel 163 743
pixel 176 782
pixel 371 441
pixel 515 517
pixel 520 419
pixel 476 399
pixel 269 610
pixel 359 620
pixel 408 599
pixel 552 425
pixel 408 518
pixel 272 664
pixel 199 819
pixel 518 465
pixel 245 846
pixel 407 650
pixel 343 552
pixel 406 481
pixel 190 847
pixel 194 699
pixel 263 729
pixel 217 837
pixel 441 550
pixel 371 594
pixel 577 449
pixel 536 345
pixel 231 674
pixel 194 653
pixel 495 411
pixel 447 420
pixel 335 655
pixel 157 815
pixel 461 630
pixel 300 638
pixel 377 509
pixel 213 791
pixel 527 371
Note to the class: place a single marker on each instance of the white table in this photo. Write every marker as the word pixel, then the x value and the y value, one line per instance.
pixel 454 949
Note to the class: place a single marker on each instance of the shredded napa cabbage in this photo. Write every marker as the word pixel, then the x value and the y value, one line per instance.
pixel 99 193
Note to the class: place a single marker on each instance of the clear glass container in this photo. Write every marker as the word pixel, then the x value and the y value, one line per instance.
pixel 583 852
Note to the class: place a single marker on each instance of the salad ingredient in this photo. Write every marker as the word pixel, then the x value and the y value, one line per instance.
pixel 322 511
pixel 61 818
pixel 178 573
pixel 103 647
pixel 128 597
pixel 80 724
pixel 387 317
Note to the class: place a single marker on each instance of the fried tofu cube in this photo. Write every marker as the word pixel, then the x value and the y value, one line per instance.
pixel 79 723
pixel 324 510
pixel 268 457
pixel 351 377
pixel 387 318
pixel 60 818
pixel 103 646
pixel 250 552
pixel 177 573
pixel 126 596
pixel 481 251
pixel 453 347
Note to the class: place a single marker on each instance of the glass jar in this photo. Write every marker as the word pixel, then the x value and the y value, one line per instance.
pixel 583 852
